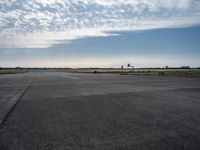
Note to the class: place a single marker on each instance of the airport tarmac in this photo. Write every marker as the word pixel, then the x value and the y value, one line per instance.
pixel 59 110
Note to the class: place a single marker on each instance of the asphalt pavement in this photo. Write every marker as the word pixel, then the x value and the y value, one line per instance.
pixel 59 110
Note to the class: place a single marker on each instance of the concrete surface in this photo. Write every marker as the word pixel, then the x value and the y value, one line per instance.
pixel 12 88
pixel 100 112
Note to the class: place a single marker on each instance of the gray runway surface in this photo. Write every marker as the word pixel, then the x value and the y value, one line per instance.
pixel 60 110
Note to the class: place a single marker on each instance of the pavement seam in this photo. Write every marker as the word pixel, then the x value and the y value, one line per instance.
pixel 14 105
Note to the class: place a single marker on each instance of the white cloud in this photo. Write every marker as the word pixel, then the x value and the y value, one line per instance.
pixel 43 23
pixel 46 38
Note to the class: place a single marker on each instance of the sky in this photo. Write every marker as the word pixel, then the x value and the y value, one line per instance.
pixel 99 33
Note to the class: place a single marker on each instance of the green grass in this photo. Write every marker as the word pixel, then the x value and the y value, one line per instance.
pixel 12 71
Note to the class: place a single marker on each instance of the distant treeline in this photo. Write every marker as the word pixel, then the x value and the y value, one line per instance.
pixel 60 68
pixel 27 68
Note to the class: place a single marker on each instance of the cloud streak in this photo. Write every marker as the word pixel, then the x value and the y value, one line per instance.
pixel 43 23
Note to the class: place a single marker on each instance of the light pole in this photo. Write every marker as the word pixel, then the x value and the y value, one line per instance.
pixel 130 66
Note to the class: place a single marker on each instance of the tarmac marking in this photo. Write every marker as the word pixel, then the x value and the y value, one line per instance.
pixel 116 102
pixel 76 78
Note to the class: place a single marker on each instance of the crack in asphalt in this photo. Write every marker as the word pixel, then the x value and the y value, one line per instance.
pixel 14 105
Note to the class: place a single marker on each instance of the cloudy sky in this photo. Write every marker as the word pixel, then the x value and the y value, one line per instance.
pixel 99 33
